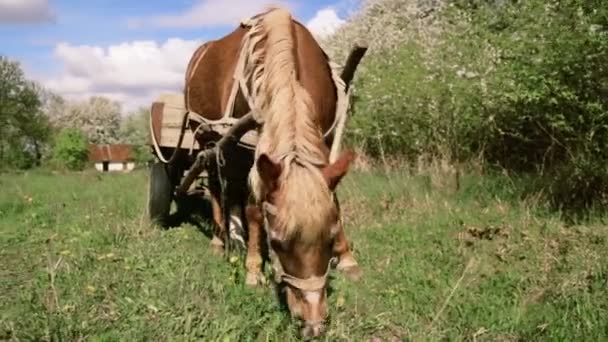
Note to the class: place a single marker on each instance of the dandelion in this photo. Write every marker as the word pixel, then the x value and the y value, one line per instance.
pixel 68 308
pixel 340 302
pixel 106 256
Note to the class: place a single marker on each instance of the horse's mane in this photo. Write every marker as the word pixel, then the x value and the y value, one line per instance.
pixel 289 134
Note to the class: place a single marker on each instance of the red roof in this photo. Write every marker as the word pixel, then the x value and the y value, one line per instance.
pixel 111 153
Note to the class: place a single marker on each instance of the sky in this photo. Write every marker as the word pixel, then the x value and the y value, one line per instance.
pixel 131 50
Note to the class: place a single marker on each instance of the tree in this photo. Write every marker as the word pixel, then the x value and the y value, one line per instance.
pixel 135 130
pixel 70 150
pixel 98 118
pixel 24 128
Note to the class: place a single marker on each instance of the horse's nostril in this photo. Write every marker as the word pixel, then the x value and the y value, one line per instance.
pixel 312 330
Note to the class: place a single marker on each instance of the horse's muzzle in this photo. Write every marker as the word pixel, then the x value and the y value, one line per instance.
pixel 313 329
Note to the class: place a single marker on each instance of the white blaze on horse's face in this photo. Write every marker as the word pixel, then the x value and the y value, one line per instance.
pixel 312 297
pixel 310 307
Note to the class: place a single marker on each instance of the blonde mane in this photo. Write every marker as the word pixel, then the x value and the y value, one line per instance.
pixel 289 133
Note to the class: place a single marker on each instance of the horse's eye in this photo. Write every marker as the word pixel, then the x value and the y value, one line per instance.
pixel 297 293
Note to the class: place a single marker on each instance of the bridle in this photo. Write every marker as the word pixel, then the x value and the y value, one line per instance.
pixel 312 283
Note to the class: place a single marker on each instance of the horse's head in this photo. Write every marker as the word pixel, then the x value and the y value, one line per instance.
pixel 301 218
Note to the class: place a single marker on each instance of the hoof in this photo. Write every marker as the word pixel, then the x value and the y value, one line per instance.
pixel 353 273
pixel 217 246
pixel 254 279
pixel 351 269
pixel 217 250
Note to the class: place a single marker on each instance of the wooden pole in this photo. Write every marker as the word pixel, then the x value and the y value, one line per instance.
pixel 352 62
pixel 229 140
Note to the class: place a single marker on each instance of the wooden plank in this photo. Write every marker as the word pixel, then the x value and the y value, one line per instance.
pixel 173 113
pixel 156 117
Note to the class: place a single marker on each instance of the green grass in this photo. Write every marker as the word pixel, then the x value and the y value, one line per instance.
pixel 79 260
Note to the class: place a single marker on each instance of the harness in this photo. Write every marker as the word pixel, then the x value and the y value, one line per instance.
pixel 313 283
pixel 239 85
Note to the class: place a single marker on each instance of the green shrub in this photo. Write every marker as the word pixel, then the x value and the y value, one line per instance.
pixel 547 97
pixel 522 85
pixel 70 150
pixel 546 107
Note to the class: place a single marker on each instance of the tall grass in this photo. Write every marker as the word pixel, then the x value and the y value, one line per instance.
pixel 79 260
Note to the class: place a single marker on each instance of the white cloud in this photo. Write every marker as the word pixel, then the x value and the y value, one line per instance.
pixel 133 73
pixel 325 22
pixel 210 13
pixel 136 72
pixel 25 11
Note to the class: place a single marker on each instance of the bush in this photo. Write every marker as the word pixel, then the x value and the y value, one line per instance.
pixel 70 150
pixel 546 105
pixel 521 85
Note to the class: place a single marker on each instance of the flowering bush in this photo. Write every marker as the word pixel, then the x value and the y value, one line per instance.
pixel 522 84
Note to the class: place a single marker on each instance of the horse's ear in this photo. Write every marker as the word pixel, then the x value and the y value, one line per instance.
pixel 333 173
pixel 269 171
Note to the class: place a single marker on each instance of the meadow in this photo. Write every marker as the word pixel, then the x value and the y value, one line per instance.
pixel 474 260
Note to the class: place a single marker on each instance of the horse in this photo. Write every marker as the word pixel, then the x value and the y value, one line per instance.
pixel 293 209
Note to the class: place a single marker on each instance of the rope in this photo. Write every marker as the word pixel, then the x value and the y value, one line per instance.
pixel 219 163
pixel 342 106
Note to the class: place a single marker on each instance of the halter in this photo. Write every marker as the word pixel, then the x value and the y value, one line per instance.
pixel 312 283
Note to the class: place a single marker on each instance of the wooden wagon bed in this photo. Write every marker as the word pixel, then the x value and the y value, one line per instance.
pixel 167 121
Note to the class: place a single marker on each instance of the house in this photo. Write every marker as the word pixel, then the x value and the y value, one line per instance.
pixel 117 157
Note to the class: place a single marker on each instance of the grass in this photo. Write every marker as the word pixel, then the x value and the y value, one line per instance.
pixel 79 261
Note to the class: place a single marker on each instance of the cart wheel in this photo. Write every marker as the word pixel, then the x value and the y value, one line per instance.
pixel 159 196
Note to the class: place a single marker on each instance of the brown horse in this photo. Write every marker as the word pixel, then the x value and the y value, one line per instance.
pixel 293 96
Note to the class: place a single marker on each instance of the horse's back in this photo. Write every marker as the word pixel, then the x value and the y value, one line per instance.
pixel 210 81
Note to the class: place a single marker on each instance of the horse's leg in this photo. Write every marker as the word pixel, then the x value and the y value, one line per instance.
pixel 347 262
pixel 253 261
pixel 341 249
pixel 217 244
pixel 234 206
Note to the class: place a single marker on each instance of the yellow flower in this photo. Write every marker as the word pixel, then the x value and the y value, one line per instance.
pixel 68 308
pixel 340 302
pixel 106 256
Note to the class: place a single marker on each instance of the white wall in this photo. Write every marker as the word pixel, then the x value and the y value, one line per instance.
pixel 115 166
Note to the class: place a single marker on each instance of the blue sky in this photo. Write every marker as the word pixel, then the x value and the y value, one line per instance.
pixel 69 45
